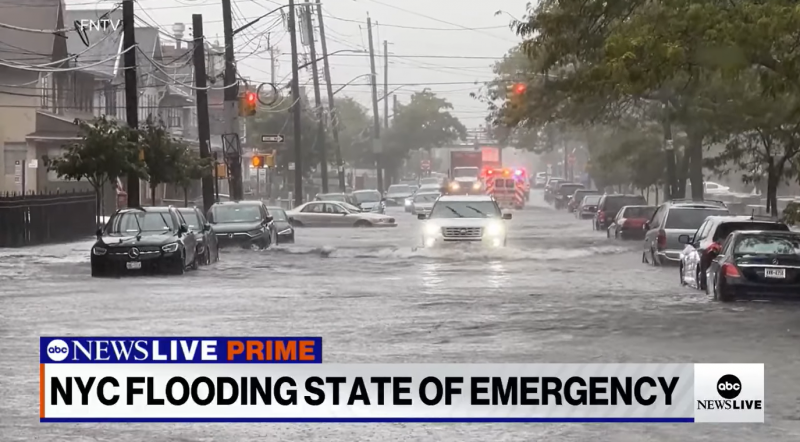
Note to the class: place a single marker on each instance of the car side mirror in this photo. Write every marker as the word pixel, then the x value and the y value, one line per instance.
pixel 184 228
pixel 506 216
pixel 684 239
pixel 422 216
pixel 207 227
pixel 99 233
pixel 268 220
pixel 646 226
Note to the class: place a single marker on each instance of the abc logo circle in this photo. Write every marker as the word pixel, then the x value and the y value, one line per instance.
pixel 729 386
pixel 57 350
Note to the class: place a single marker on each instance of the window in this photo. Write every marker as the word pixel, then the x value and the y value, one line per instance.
pixel 174 117
pixel 11 155
pixel 690 218
pixel 334 208
pixel 313 208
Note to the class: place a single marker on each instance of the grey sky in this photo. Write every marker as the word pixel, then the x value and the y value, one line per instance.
pixel 345 23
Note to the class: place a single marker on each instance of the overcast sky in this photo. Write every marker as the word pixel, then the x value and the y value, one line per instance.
pixel 439 28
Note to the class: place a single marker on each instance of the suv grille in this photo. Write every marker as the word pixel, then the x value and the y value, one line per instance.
pixel 462 232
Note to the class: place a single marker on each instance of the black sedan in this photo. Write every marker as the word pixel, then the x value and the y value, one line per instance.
pixel 146 239
pixel 207 245
pixel 756 265
pixel 282 225
pixel 245 224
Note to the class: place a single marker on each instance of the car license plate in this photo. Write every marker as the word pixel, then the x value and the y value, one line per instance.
pixel 133 265
pixel 775 273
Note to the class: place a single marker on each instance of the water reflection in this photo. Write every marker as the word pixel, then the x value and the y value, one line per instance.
pixel 498 274
pixel 432 281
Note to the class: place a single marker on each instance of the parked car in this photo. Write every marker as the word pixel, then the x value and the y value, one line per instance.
pixel 540 180
pixel 704 245
pixel 396 194
pixel 430 182
pixel 341 197
pixel 245 224
pixel 282 225
pixel 756 265
pixel 335 214
pixel 587 207
pixel 207 245
pixel 629 222
pixel 369 201
pixel 609 205
pixel 577 197
pixel 671 220
pixel 144 239
pixel 550 187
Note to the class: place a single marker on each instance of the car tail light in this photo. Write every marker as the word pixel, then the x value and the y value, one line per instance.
pixel 729 270
pixel 662 239
pixel 601 216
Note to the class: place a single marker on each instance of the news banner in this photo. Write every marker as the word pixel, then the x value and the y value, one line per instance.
pixel 283 379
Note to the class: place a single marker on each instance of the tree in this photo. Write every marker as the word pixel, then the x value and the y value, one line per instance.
pixel 355 132
pixel 190 167
pixel 161 154
pixel 104 154
pixel 424 123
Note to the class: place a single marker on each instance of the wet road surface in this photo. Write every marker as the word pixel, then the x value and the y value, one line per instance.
pixel 559 293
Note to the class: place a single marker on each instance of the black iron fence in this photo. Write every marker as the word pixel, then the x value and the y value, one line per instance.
pixel 46 218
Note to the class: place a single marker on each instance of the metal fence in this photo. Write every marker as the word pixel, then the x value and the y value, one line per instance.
pixel 46 218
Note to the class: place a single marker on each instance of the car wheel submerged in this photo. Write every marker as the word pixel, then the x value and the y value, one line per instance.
pixel 362 223
pixel 700 280
pixel 178 265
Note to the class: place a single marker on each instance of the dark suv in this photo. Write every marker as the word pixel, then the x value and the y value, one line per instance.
pixel 142 239
pixel 609 206
pixel 245 224
pixel 704 246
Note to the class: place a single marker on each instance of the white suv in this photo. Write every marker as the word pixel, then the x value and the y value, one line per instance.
pixel 465 219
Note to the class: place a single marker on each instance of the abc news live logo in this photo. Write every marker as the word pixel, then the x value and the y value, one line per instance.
pixel 729 387
pixel 57 350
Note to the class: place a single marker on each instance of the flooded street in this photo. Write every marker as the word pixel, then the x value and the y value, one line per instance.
pixel 559 292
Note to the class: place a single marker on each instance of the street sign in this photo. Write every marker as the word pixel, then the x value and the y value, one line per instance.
pixel 17 169
pixel 279 138
pixel 291 166
pixel 425 164
pixel 33 164
pixel 571 159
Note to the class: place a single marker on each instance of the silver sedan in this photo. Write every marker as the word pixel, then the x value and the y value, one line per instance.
pixel 336 214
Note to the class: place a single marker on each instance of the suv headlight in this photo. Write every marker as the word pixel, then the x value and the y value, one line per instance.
pixel 454 186
pixel 476 186
pixel 495 229
pixel 432 229
pixel 169 248
pixel 99 251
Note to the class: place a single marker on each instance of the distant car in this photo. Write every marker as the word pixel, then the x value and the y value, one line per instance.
pixel 335 214
pixel 587 207
pixel 577 197
pixel 712 188
pixel 341 197
pixel 144 239
pixel 282 225
pixel 629 222
pixel 396 194
pixel 540 180
pixel 550 188
pixel 430 181
pixel 465 219
pixel 369 201
pixel 609 205
pixel 756 265
pixel 245 224
pixel 423 202
pixel 671 220
pixel 564 193
pixel 704 245
pixel 207 245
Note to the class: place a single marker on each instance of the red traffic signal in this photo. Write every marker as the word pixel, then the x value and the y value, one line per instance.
pixel 251 97
pixel 520 88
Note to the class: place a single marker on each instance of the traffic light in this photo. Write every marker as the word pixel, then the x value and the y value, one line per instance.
pixel 515 93
pixel 520 88
pixel 247 104
pixel 258 161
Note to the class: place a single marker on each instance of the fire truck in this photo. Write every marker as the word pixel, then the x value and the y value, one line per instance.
pixel 507 186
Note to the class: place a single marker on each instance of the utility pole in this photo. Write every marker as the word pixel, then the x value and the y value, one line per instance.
pixel 203 129
pixel 231 144
pixel 323 161
pixel 334 121
pixel 271 60
pixel 131 93
pixel 394 106
pixel 296 109
pixel 385 84
pixel 376 131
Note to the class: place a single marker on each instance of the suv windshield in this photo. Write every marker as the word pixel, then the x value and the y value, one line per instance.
pixel 591 200
pixel 399 188
pixel 191 218
pixel 614 203
pixel 425 181
pixel 685 218
pixel 236 214
pixel 369 196
pixel 767 245
pixel 426 197
pixel 466 172
pixel 132 223
pixel 639 212
pixel 465 209
pixel 725 229
pixel 569 189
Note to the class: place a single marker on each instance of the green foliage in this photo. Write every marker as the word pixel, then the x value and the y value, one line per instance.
pixel 106 152
pixel 191 167
pixel 355 126
pixel 162 153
